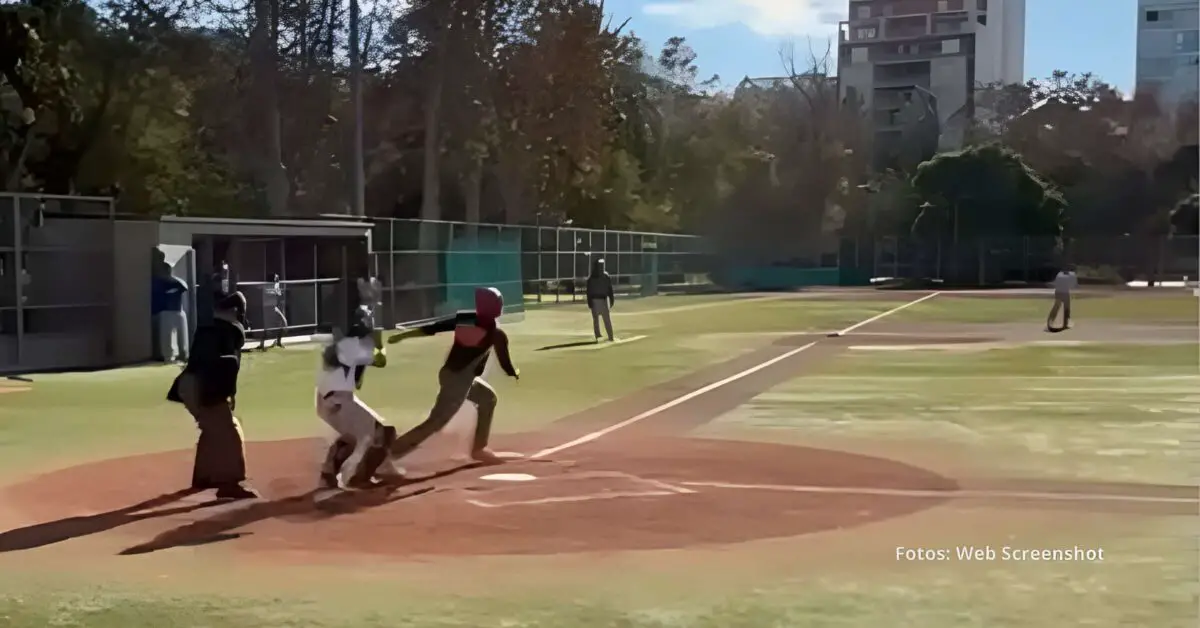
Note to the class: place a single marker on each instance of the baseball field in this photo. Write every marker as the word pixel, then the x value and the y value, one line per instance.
pixel 941 462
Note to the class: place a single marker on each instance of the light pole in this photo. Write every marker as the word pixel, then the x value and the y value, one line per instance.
pixel 358 178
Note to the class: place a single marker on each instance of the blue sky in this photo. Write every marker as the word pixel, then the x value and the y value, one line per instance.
pixel 736 38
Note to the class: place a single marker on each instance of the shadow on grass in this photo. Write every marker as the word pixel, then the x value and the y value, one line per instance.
pixel 312 506
pixel 51 532
pixel 567 345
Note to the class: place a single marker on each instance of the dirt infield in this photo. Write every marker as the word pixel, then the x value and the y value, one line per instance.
pixel 646 486
pixel 570 507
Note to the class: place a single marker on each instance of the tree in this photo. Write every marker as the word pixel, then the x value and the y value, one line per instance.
pixel 800 151
pixel 1185 217
pixel 986 191
pixel 35 71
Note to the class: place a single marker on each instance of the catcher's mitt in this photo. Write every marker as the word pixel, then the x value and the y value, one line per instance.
pixel 380 360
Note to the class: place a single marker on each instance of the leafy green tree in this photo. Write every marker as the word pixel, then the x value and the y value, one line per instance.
pixel 985 191
pixel 1185 217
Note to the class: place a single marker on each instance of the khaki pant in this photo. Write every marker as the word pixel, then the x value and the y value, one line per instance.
pixel 359 430
pixel 1061 300
pixel 455 389
pixel 600 310
pixel 220 450
pixel 173 336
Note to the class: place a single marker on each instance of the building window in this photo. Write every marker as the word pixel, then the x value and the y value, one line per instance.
pixel 950 46
pixel 1188 60
pixel 1152 16
pixel 982 19
pixel 864 12
pixel 1187 41
pixel 943 6
pixel 866 33
pixel 858 54
pixel 1156 67
pixel 981 5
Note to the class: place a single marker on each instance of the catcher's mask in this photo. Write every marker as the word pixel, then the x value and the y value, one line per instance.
pixel 362 324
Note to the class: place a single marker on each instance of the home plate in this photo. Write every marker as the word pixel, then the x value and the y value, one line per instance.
pixel 509 477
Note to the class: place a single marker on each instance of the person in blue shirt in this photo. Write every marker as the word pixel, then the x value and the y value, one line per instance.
pixel 167 300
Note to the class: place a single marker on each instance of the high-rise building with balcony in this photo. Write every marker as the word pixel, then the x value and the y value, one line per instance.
pixel 897 55
pixel 1168 50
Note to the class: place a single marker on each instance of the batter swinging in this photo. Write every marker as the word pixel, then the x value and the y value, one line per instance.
pixel 475 334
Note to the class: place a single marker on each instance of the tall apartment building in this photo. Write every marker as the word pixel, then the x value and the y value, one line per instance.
pixel 1168 50
pixel 897 54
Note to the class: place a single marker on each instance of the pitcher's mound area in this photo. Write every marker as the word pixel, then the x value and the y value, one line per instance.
pixel 648 494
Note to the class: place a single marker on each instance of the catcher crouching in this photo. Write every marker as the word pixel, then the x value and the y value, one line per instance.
pixel 359 454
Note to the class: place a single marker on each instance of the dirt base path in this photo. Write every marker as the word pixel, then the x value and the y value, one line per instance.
pixel 621 475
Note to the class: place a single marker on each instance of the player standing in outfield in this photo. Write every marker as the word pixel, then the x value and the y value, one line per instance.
pixel 1064 283
pixel 600 298
pixel 459 380
pixel 207 387
pixel 363 441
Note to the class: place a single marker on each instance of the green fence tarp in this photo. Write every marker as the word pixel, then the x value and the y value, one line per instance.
pixel 788 278
pixel 486 260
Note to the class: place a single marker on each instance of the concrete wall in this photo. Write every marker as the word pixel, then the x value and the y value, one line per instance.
pixel 948 81
pixel 861 77
pixel 1162 66
pixel 132 327
pixel 67 296
pixel 1014 36
pixel 989 50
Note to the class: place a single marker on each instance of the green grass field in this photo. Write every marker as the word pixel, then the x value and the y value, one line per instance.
pixel 1142 308
pixel 1092 411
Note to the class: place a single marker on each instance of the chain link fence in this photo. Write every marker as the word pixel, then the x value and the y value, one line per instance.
pixel 991 261
pixel 431 268
pixel 56 282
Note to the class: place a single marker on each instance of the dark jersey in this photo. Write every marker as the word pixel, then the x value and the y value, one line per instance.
pixel 216 360
pixel 600 286
pixel 463 354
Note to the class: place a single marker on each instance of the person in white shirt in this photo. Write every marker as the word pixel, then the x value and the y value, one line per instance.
pixel 1064 283
pixel 359 454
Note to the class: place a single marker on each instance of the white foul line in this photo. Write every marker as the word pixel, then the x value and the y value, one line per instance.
pixel 949 494
pixel 887 313
pixel 587 438
pixel 591 497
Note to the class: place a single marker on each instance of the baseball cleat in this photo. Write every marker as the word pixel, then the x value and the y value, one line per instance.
pixel 486 456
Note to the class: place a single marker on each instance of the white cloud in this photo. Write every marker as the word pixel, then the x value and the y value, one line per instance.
pixel 765 17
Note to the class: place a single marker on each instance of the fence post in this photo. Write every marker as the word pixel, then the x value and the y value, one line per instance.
pixel 1026 257
pixel 18 273
pixel 604 244
pixel 938 260
pixel 557 257
pixel 537 218
pixel 394 317
pixel 874 258
pixel 1162 250
pixel 982 261
pixel 895 256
